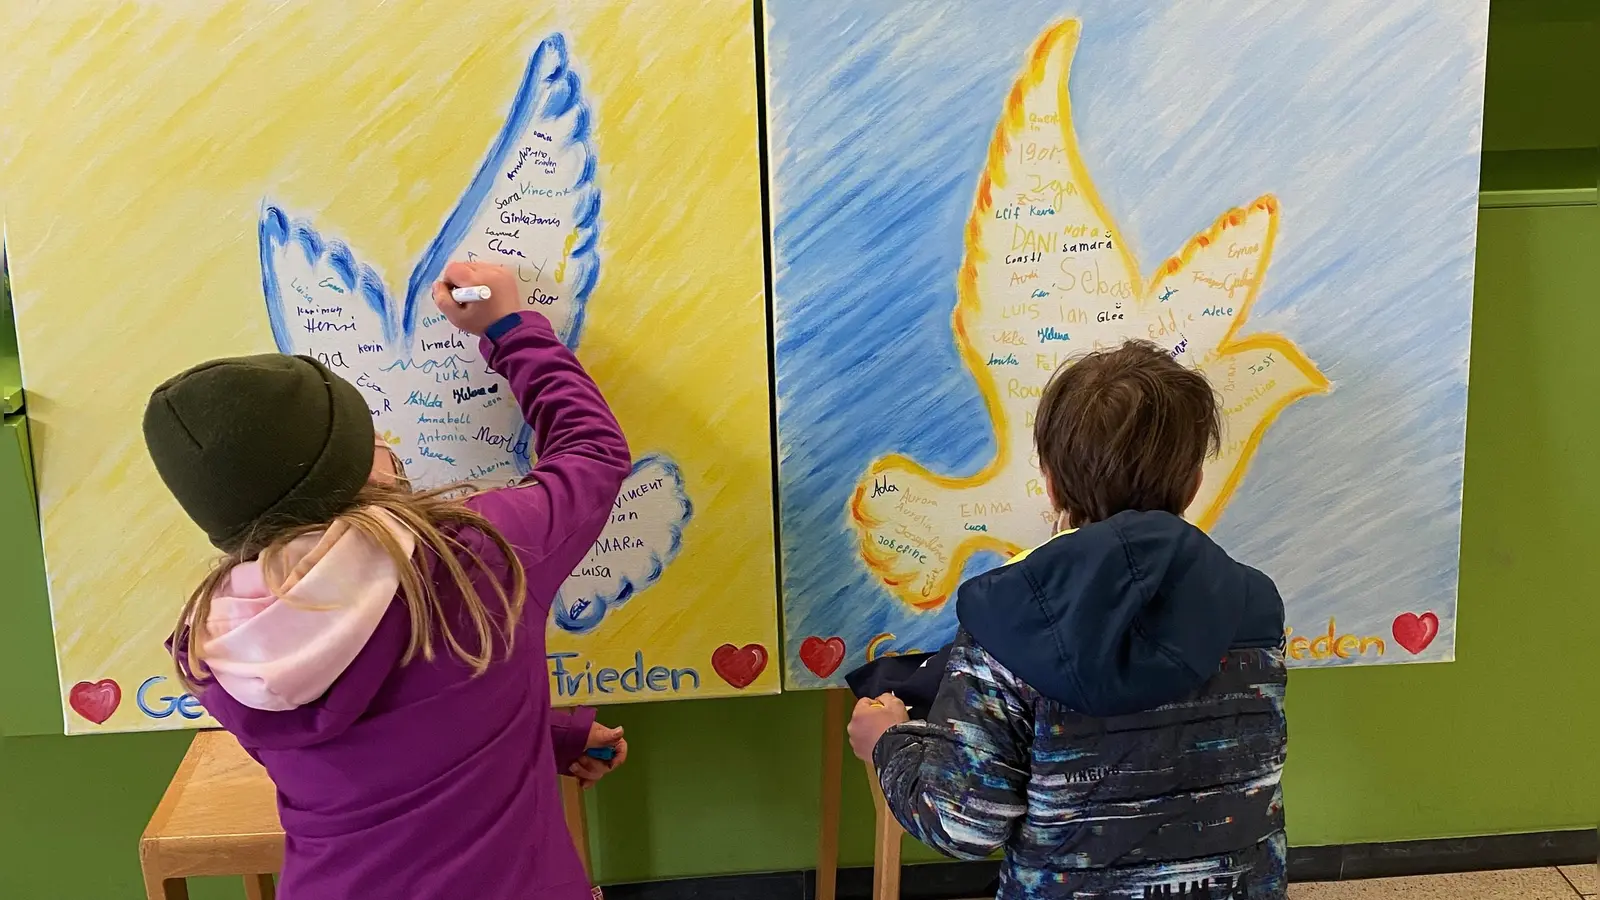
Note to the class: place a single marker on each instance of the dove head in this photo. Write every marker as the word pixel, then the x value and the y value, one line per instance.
pixel 1125 429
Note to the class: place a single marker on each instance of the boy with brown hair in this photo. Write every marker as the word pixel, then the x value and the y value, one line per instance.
pixel 1111 713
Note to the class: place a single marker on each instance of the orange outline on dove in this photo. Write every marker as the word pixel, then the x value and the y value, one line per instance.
pixel 918 528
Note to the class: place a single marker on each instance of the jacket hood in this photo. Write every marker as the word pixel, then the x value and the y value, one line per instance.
pixel 1121 616
pixel 279 647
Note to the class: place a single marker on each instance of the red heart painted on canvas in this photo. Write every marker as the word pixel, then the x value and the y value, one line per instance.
pixel 1415 632
pixel 739 666
pixel 822 657
pixel 96 700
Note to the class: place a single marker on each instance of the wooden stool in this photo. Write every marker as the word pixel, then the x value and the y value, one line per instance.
pixel 885 844
pixel 886 829
pixel 219 816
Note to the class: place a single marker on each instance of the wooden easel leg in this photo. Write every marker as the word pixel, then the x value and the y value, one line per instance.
pixel 886 844
pixel 836 706
pixel 259 887
pixel 577 820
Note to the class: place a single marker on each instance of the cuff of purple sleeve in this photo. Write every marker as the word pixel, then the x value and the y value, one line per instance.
pixel 502 325
pixel 573 737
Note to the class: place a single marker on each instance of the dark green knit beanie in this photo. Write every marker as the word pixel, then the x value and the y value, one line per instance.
pixel 254 444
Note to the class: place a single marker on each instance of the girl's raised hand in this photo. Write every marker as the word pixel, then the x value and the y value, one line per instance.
pixel 476 317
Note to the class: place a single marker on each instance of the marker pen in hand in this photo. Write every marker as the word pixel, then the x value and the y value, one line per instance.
pixel 604 754
pixel 470 294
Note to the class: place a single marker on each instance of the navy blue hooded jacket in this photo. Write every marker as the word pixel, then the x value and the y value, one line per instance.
pixel 1112 716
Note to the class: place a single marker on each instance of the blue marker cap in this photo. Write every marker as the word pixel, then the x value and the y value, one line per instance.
pixel 604 754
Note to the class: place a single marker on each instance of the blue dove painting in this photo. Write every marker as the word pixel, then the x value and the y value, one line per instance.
pixel 533 206
pixel 1283 195
pixel 300 174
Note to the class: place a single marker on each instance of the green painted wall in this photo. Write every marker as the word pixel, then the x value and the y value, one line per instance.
pixel 1504 740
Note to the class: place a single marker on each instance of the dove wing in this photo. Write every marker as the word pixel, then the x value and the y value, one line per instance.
pixel 534 206
pixel 1199 300
pixel 323 303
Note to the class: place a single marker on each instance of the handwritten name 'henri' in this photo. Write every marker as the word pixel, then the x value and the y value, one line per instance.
pixel 314 326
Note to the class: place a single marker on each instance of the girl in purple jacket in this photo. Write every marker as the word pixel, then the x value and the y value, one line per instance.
pixel 382 652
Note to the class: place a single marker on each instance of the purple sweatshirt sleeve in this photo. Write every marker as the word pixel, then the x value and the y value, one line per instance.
pixel 554 517
pixel 569 733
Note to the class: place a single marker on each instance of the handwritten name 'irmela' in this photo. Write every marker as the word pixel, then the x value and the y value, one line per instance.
pixel 1332 644
pixel 636 679
pixel 449 342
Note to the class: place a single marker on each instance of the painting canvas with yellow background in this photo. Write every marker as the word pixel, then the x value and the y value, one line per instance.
pixel 232 178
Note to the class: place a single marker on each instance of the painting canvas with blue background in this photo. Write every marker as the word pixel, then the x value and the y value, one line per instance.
pixel 1282 194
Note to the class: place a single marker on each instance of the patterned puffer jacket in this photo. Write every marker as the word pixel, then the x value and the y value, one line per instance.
pixel 1112 717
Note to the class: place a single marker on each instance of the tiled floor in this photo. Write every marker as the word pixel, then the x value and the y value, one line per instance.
pixel 1569 883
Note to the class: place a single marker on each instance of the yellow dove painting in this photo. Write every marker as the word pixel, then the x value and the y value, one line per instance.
pixel 1047 275
pixel 963 202
pixel 233 178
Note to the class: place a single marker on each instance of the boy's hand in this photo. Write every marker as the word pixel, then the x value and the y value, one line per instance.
pixel 871 719
pixel 476 317
pixel 587 769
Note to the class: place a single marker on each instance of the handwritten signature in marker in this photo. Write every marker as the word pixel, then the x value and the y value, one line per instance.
pixel 1167 294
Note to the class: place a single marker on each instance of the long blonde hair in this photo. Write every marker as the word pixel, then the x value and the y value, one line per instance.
pixel 425 514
